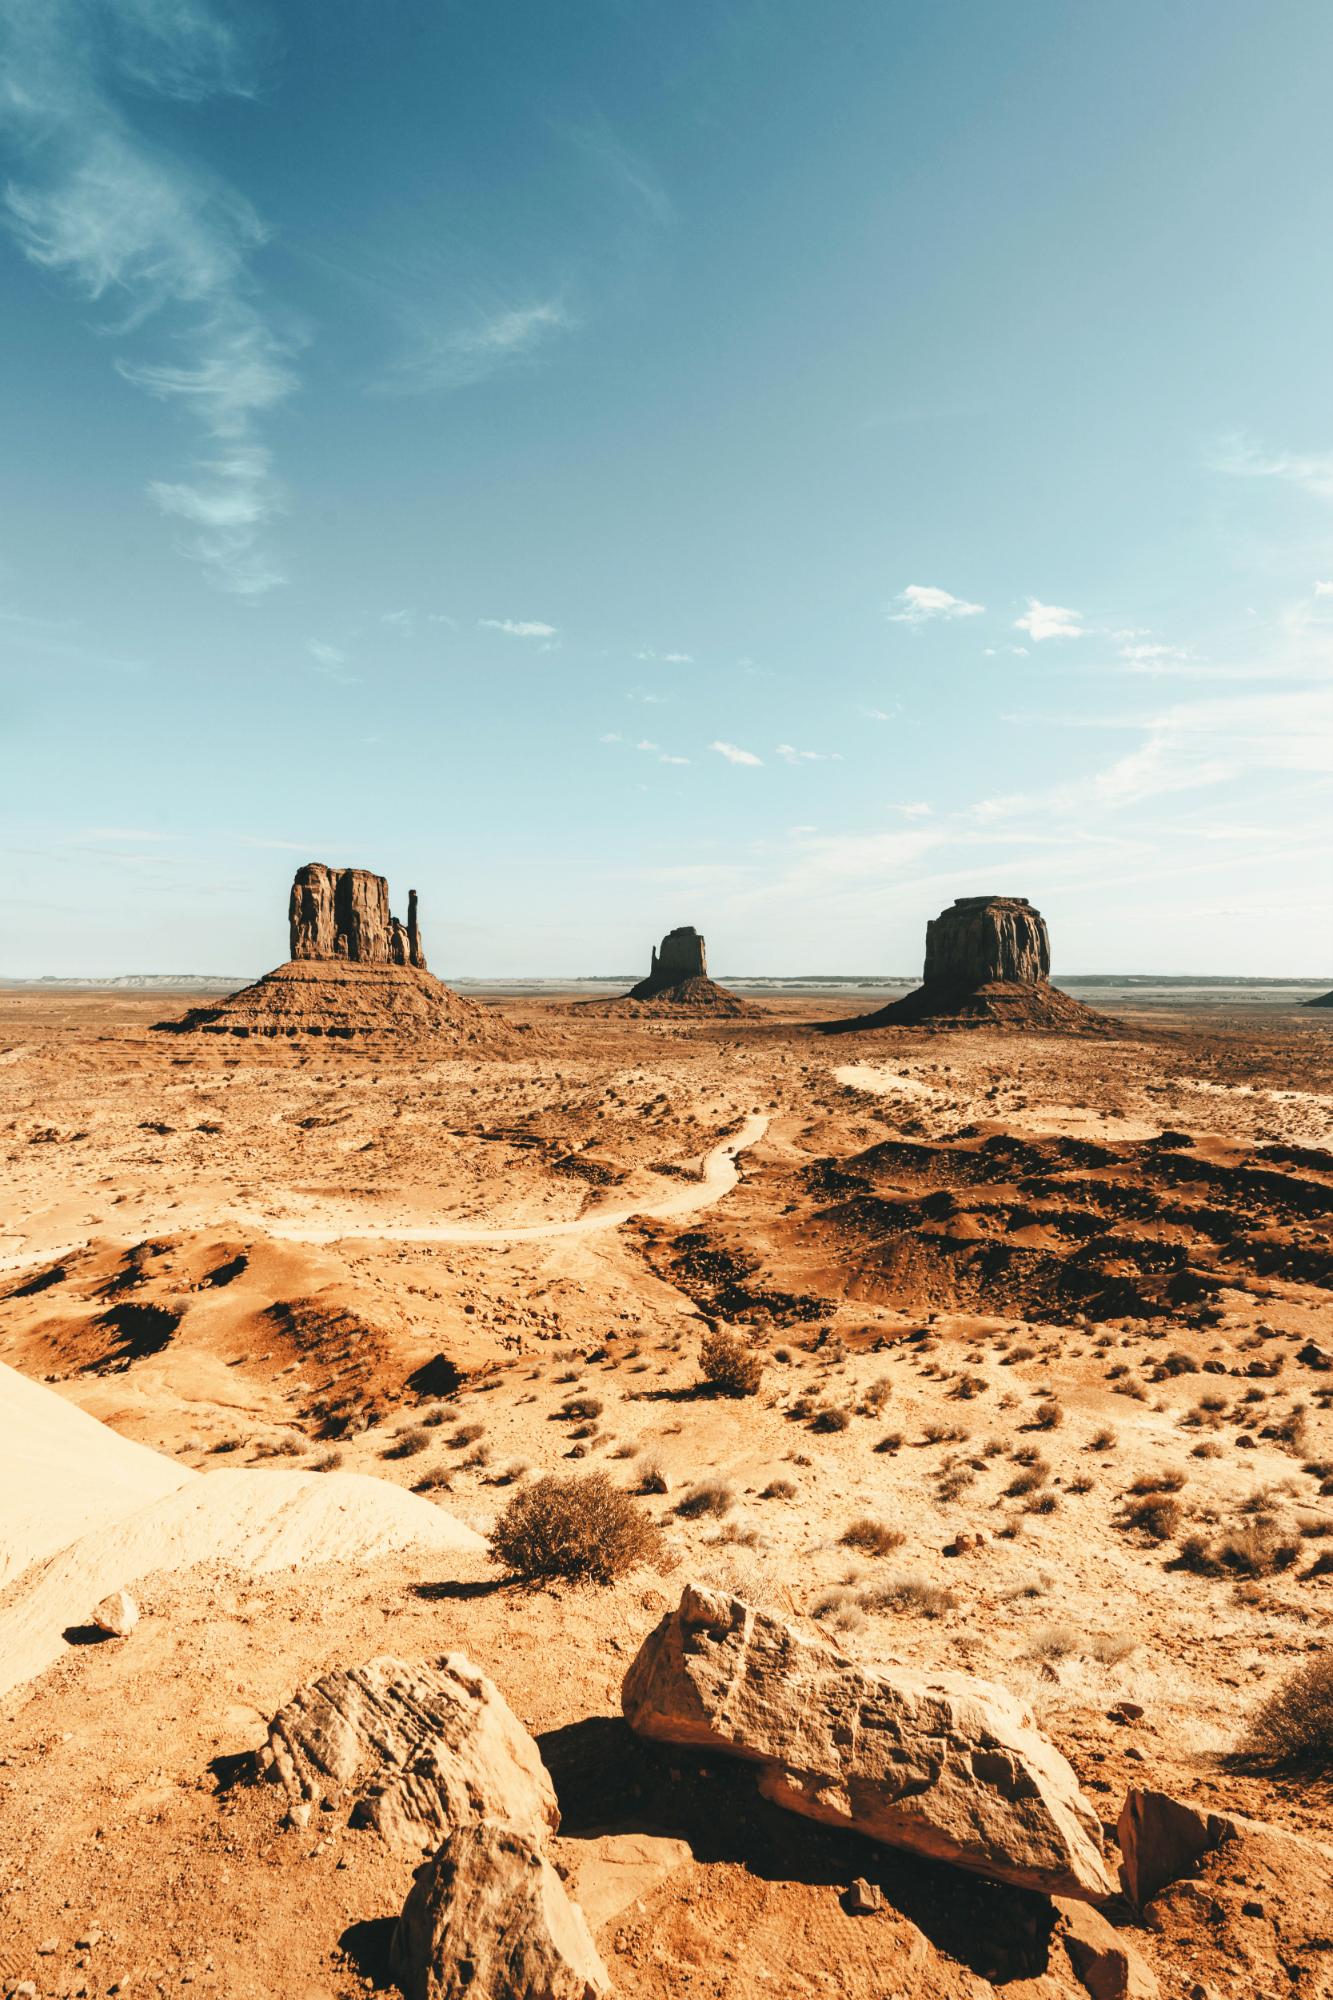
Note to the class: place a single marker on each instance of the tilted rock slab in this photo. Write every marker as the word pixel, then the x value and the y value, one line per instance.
pixel 488 1918
pixel 415 1751
pixel 948 1766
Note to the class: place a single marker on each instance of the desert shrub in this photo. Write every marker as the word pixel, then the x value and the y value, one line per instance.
pixel 432 1419
pixel 652 1479
pixel 1157 1514
pixel 910 1595
pixel 581 1527
pixel 408 1443
pixel 328 1461
pixel 1207 1449
pixel 1255 1549
pixel 1177 1363
pixel 839 1607
pixel 779 1489
pixel 829 1418
pixel 891 1441
pixel 1294 1727
pixel 1026 1454
pixel 1028 1480
pixel 1103 1440
pixel 466 1434
pixel 1055 1642
pixel 1018 1354
pixel 1043 1503
pixel 730 1365
pixel 583 1407
pixel 710 1499
pixel 876 1395
pixel 969 1386
pixel 437 1480
pixel 1169 1480
pixel 871 1537
pixel 955 1482
pixel 1048 1415
pixel 1082 1484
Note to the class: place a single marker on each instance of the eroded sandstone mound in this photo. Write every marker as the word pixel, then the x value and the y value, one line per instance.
pixel 355 972
pixel 988 964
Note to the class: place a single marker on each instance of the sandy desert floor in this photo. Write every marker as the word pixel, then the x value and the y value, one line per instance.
pixel 1000 1282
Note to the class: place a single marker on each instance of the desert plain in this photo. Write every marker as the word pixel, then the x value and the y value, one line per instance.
pixel 1046 1397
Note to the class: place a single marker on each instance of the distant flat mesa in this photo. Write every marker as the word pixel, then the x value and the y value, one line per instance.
pixel 355 972
pixel 677 982
pixel 988 965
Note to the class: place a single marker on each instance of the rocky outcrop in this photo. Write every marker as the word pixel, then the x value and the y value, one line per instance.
pixel 1106 1962
pixel 1320 1000
pixel 979 938
pixel 488 1918
pixel 947 1766
pixel 412 1751
pixel 343 913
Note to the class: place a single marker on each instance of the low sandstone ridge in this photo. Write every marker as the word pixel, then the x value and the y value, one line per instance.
pixel 948 1766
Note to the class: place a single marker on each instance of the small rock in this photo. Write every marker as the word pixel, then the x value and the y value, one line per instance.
pixel 47 1947
pixel 864 1898
pixel 117 1615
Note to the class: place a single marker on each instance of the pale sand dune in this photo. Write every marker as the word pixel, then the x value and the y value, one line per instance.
pixel 62 1472
pixel 256 1521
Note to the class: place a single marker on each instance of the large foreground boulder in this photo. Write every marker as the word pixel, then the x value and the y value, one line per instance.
pixel 413 1751
pixel 947 1766
pixel 488 1918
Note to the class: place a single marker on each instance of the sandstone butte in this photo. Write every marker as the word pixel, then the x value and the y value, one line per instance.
pixel 678 978
pixel 355 972
pixel 988 964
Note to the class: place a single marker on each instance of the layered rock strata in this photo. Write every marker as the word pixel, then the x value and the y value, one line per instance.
pixel 948 1766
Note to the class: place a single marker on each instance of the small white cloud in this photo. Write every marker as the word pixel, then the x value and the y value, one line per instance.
pixel 328 656
pixel 1148 653
pixel 646 745
pixel 402 621
pixel 518 628
pixel 1312 471
pixel 611 736
pixel 441 618
pixel 876 714
pixel 791 755
pixel 679 659
pixel 673 760
pixel 1323 590
pixel 1050 621
pixel 918 809
pixel 923 601
pixel 735 755
pixel 994 652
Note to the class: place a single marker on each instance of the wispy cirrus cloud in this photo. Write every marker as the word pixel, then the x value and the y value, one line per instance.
pixel 331 661
pixel 791 755
pixel 921 603
pixel 455 357
pixel 518 628
pixel 734 754
pixel 1050 621
pixel 157 238
pixel 1242 458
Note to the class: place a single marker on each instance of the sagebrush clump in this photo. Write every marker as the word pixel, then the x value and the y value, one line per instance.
pixel 582 1527
pixel 729 1364
pixel 1294 1728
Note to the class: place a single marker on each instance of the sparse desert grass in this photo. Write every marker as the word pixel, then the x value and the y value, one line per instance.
pixel 580 1527
pixel 711 1498
pixel 910 1596
pixel 1293 1730
pixel 408 1443
pixel 729 1365
pixel 871 1537
pixel 1256 1548
pixel 1157 1515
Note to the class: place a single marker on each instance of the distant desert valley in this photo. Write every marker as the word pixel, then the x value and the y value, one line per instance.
pixel 682 1493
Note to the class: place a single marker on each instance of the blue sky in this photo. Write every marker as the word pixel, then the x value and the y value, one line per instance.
pixel 769 466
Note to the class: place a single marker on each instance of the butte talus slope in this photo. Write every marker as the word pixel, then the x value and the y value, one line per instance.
pixel 355 971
